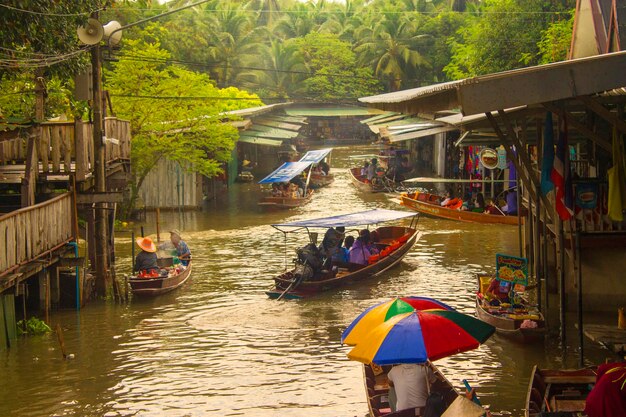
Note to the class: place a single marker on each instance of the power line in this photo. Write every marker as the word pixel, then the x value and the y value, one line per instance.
pixel 152 97
pixel 17 9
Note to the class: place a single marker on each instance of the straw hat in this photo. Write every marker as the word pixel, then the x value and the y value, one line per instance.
pixel 146 244
pixel 463 407
pixel 176 232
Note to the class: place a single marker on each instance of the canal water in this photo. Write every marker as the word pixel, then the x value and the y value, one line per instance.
pixel 219 346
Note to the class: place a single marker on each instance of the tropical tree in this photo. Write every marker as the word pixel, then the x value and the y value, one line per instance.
pixel 283 71
pixel 174 113
pixel 392 48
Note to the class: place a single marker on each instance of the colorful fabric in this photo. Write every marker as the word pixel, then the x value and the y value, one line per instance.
pixel 421 336
pixel 547 159
pixel 608 396
pixel 379 313
pixel 360 253
pixel 561 177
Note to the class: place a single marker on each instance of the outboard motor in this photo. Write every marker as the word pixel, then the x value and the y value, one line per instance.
pixel 308 262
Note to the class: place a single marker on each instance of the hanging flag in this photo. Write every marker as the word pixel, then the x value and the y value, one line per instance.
pixel 561 177
pixel 547 159
pixel 617 180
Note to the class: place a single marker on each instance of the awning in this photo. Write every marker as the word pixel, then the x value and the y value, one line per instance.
pixel 378 117
pixel 256 111
pixel 277 124
pixel 285 172
pixel 270 132
pixel 260 141
pixel 421 133
pixel 353 219
pixel 533 85
pixel 375 127
pixel 314 157
pixel 337 111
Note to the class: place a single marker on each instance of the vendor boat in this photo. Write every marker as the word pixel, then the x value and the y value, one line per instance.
pixel 280 203
pixel 522 323
pixel 320 180
pixel 168 279
pixel 559 391
pixel 363 184
pixel 377 391
pixel 307 280
pixel 430 205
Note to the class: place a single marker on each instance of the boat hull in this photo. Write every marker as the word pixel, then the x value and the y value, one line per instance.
pixel 284 203
pixel 157 286
pixel 377 392
pixel 322 180
pixel 563 390
pixel 429 206
pixel 510 327
pixel 356 274
pixel 359 181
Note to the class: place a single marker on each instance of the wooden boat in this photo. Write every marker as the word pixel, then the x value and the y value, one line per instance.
pixel 279 203
pixel 559 391
pixel 159 285
pixel 362 184
pixel 346 273
pixel 321 180
pixel 507 320
pixel 429 204
pixel 377 391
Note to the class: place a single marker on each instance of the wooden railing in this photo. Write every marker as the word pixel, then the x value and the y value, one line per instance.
pixel 64 147
pixel 34 231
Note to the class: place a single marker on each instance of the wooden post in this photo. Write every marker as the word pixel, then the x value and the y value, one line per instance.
pixel 81 154
pixel 158 224
pixel 29 182
pixel 104 285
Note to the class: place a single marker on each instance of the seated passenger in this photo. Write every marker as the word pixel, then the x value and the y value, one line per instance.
pixel 343 255
pixel 491 208
pixel 510 208
pixel 361 250
pixel 467 203
pixel 447 199
pixel 364 169
pixel 479 203
pixel 146 259
pixel 276 192
pixel 411 383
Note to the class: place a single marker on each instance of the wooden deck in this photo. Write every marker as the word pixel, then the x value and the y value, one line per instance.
pixel 29 234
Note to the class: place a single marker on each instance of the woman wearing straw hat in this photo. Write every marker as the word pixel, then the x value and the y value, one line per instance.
pixel 146 259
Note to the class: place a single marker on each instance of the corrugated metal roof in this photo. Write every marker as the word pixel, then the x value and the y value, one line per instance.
pixel 533 85
pixel 277 124
pixel 256 111
pixel 260 141
pixel 380 116
pixel 286 119
pixel 406 121
pixel 421 133
pixel 330 111
pixel 270 132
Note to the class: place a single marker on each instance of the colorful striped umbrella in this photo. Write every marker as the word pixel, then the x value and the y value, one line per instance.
pixel 421 336
pixel 379 313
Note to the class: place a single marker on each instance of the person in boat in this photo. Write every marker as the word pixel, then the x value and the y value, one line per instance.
pixel 479 203
pixel 276 191
pixel 467 203
pixel 362 248
pixel 491 208
pixel 371 169
pixel 343 255
pixel 411 383
pixel 324 167
pixel 447 198
pixel 364 169
pixel 182 250
pixel 146 259
pixel 331 244
pixel 510 208
pixel 499 291
pixel 608 396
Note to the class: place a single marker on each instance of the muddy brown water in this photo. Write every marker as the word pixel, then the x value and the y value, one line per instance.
pixel 219 346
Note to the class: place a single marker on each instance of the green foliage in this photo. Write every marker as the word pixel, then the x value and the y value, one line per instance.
pixel 555 41
pixel 175 113
pixel 32 326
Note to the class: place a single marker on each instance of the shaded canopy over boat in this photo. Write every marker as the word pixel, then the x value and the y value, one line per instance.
pixel 452 180
pixel 347 220
pixel 285 172
pixel 315 157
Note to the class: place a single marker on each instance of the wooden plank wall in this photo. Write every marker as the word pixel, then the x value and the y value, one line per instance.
pixel 169 186
pixel 58 146
pixel 27 233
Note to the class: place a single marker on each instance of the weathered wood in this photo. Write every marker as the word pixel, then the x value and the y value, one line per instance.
pixel 610 336
pixel 29 232
pixel 55 143
pixel 66 134
pixel 71 262
pixel 80 147
pixel 44 148
pixel 93 198
pixel 29 182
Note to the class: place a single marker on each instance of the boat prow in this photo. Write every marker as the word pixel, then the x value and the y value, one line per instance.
pixel 154 286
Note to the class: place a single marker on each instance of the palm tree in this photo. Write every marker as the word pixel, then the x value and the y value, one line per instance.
pixel 296 22
pixel 391 47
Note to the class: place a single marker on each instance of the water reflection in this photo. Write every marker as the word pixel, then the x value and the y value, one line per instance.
pixel 220 346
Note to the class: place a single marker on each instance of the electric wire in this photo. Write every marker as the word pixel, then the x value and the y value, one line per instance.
pixel 17 9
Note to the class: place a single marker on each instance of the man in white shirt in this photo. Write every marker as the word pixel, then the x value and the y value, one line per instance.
pixel 411 383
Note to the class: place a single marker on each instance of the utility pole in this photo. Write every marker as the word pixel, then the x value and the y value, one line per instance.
pixel 104 287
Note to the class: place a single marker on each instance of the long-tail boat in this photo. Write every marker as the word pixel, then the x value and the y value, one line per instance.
pixel 305 279
pixel 377 391
pixel 315 158
pixel 559 391
pixel 522 323
pixel 173 278
pixel 430 205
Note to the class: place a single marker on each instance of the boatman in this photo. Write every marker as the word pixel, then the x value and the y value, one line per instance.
pixel 146 260
pixel 182 250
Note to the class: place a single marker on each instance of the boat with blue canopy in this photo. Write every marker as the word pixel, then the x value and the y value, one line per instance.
pixel 320 175
pixel 285 193
pixel 316 269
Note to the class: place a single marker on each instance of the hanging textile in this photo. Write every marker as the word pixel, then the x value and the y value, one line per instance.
pixel 547 159
pixel 561 177
pixel 617 180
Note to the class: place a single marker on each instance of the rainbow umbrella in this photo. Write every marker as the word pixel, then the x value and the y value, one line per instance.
pixel 379 313
pixel 421 336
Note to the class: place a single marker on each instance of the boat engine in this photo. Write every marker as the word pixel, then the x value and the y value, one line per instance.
pixel 308 262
